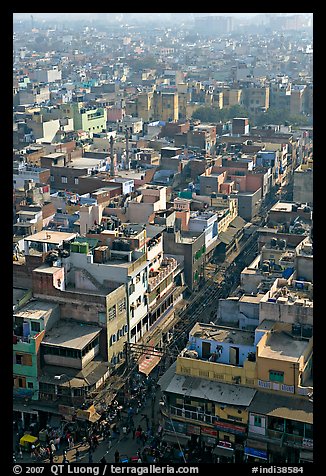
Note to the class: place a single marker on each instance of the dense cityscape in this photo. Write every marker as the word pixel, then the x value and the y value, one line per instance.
pixel 163 238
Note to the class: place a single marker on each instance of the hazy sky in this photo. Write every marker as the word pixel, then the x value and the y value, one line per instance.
pixel 21 16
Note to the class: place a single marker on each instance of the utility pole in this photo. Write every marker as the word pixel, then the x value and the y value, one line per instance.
pixel 112 165
pixel 127 148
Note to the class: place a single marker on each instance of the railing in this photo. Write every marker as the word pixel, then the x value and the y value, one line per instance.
pixel 193 415
pixel 167 267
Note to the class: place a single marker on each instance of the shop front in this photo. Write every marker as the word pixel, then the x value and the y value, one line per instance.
pixel 255 452
pixel 223 454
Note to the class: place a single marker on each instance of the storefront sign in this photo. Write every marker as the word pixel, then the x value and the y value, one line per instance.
pixel 255 453
pixel 193 430
pixel 226 444
pixel 175 426
pixel 208 431
pixel 307 442
pixel 65 410
pixel 230 428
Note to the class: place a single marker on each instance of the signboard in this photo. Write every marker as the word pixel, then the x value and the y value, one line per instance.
pixel 307 442
pixel 23 392
pixel 255 453
pixel 208 431
pixel 193 430
pixel 230 428
pixel 65 410
pixel 175 426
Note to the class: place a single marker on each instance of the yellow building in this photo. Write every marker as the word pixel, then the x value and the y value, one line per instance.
pixel 166 106
pixel 219 361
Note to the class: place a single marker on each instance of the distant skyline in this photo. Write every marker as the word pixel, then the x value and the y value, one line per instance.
pixel 23 16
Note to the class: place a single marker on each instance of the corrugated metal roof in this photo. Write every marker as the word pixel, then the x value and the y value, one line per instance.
pixel 281 406
pixel 207 389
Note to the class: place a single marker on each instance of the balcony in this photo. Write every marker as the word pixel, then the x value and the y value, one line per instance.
pixel 192 415
pixel 168 265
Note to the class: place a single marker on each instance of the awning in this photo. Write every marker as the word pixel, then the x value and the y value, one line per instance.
pixel 306 455
pixel 176 438
pixel 148 362
pixel 223 451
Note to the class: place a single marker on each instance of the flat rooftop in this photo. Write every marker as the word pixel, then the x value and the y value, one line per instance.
pixel 252 298
pixel 222 334
pixel 282 207
pixel 54 155
pixel 53 237
pixel 73 335
pixel 281 346
pixel 35 309
pixel 83 162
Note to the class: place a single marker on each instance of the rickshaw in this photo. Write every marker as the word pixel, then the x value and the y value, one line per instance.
pixel 27 441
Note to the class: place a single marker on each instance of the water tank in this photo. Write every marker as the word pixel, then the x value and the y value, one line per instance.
pixel 74 247
pixel 83 248
pixel 125 245
pixel 273 242
pixel 306 331
pixel 296 329
pixel 116 245
pixel 281 244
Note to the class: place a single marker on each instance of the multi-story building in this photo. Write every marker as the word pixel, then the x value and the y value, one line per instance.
pixel 220 361
pixel 256 98
pixel 303 183
pixel 89 119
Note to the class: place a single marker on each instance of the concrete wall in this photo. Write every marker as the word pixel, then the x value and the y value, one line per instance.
pixel 228 310
pixel 286 313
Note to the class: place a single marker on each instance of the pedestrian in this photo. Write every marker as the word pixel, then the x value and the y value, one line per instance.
pixel 116 456
pixel 124 431
pixel 77 454
pixel 133 433
pixel 103 460
pixel 90 457
pixel 57 443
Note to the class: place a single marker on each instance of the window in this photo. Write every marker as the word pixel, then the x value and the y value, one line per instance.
pixel 257 420
pixel 112 313
pixel 30 385
pixel 76 180
pixel 122 305
pixel 19 359
pixel 35 326
pixel 51 178
pixel 64 179
pixel 276 376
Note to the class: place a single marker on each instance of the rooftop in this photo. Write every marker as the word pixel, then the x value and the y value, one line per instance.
pixel 74 335
pixel 35 309
pixel 207 390
pixel 53 237
pixel 282 406
pixel 222 334
pixel 282 346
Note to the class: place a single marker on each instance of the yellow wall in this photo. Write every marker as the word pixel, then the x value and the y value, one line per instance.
pixel 216 371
